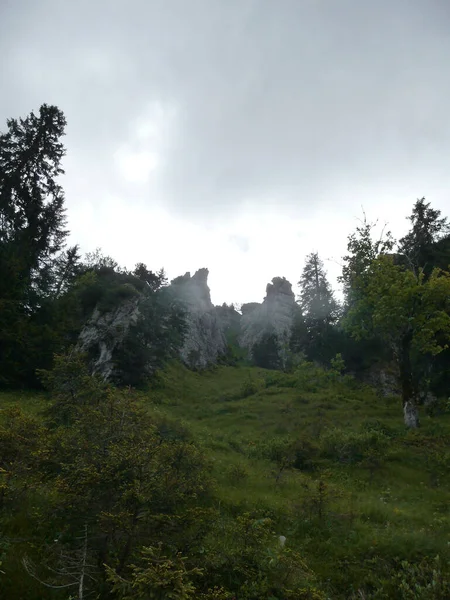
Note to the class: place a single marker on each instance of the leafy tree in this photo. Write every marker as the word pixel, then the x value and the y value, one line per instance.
pixel 410 313
pixel 362 249
pixel 427 228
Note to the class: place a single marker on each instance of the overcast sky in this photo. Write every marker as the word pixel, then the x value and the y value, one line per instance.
pixel 237 135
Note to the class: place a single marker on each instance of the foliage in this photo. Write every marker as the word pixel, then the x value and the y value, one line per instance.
pixel 159 578
pixel 362 250
pixel 316 297
pixel 427 228
pixel 408 311
pixel 266 352
pixel 157 336
pixel 20 438
pixel 32 234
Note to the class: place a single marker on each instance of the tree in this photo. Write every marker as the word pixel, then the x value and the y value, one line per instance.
pixel 409 312
pixel 362 249
pixel 316 296
pixel 266 352
pixel 156 337
pixel 319 308
pixel 427 228
pixel 153 280
pixel 116 470
pixel 32 234
pixel 32 215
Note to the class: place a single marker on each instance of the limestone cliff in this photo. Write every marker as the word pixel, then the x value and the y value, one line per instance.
pixel 205 340
pixel 274 315
pixel 105 332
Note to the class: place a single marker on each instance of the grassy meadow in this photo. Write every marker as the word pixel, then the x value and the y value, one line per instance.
pixel 362 500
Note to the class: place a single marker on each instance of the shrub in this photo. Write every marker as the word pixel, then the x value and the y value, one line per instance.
pixel 249 387
pixel 353 447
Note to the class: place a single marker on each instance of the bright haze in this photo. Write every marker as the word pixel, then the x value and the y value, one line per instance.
pixel 237 135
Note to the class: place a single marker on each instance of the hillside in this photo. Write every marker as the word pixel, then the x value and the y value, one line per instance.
pixel 154 446
pixel 330 462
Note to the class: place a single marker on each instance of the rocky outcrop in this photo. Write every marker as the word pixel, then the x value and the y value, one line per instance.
pixel 229 319
pixel 274 316
pixel 208 327
pixel 104 333
pixel 205 341
pixel 249 307
pixel 384 378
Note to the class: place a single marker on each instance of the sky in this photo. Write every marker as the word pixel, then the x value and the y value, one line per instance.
pixel 237 135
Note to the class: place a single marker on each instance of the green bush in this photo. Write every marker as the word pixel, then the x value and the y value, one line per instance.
pixel 428 579
pixel 352 447
pixel 249 387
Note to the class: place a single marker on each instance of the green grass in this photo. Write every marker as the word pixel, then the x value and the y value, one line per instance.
pixel 366 513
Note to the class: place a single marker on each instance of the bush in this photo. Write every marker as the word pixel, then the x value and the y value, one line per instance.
pixel 353 447
pixel 249 387
pixel 426 580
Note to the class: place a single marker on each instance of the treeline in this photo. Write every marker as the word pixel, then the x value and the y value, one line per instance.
pixel 396 294
pixel 396 308
pixel 47 290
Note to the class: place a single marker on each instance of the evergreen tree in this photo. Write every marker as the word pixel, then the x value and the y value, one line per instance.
pixel 32 235
pixel 320 310
pixel 32 215
pixel 316 296
pixel 266 352
pixel 427 228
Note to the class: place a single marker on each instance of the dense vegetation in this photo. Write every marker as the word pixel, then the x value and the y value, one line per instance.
pixel 171 484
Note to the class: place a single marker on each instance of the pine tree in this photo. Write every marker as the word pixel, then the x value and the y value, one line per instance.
pixel 320 310
pixel 316 297
pixel 32 235
pixel 427 228
pixel 32 211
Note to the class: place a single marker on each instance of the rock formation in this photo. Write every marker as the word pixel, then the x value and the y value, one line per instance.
pixel 208 327
pixel 205 340
pixel 275 315
pixel 103 334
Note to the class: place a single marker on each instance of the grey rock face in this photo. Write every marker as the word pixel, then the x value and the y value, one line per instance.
pixel 205 340
pixel 274 315
pixel 229 318
pixel 385 379
pixel 104 332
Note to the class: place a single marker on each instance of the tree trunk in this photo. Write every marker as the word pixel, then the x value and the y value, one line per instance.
pixel 410 414
pixel 410 410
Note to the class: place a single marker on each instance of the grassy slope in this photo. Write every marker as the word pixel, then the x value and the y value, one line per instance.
pixel 402 509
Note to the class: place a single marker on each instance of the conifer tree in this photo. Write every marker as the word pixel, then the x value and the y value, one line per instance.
pixel 316 296
pixel 427 228
pixel 320 309
pixel 32 235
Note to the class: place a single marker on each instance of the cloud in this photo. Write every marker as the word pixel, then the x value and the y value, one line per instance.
pixel 209 115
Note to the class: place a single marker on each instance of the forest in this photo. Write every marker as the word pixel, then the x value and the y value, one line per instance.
pixel 280 474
